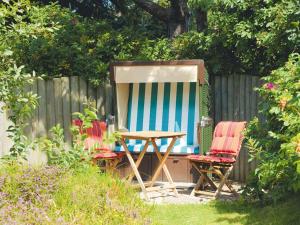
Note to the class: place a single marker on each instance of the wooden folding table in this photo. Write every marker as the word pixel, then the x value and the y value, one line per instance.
pixel 150 137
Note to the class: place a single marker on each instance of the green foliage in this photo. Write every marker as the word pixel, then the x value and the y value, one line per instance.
pixel 110 201
pixel 76 156
pixel 275 139
pixel 52 195
pixel 248 37
pixel 17 102
pixel 58 153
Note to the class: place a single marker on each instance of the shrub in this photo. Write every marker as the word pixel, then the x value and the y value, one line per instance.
pixel 77 155
pixel 274 139
pixel 18 103
pixel 52 195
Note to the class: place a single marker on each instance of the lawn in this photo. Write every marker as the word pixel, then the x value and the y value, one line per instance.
pixel 221 213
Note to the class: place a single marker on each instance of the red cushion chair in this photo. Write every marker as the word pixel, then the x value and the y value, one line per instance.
pixel 94 141
pixel 225 148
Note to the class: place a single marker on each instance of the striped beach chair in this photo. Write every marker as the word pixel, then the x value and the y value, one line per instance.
pixel 167 107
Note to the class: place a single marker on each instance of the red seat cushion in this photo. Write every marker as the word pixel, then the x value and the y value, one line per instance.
pixel 210 159
pixel 108 155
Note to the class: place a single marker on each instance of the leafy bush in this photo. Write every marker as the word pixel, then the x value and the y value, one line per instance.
pixel 52 195
pixel 249 37
pixel 18 103
pixel 77 155
pixel 274 139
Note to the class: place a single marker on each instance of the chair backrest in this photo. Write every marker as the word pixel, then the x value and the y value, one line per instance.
pixel 166 107
pixel 97 129
pixel 94 133
pixel 227 138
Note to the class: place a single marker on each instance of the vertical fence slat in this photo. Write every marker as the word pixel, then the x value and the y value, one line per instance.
pixel 74 83
pixel 50 103
pixel 236 117
pixel 35 113
pixel 42 130
pixel 28 127
pixel 230 106
pixel 91 92
pixel 66 108
pixel 217 100
pixel 58 102
pixel 248 92
pixel 83 93
pixel 242 117
pixel 101 101
pixel 224 98
pixel 109 100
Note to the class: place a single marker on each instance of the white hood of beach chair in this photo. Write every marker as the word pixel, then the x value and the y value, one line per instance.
pixel 159 73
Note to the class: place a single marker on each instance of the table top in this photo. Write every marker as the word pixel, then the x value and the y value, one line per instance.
pixel 146 135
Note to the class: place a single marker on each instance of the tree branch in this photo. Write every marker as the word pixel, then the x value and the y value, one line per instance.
pixel 154 9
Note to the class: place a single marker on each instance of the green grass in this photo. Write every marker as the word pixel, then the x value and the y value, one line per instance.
pixel 221 213
pixel 86 197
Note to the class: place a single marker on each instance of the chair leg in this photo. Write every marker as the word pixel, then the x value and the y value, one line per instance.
pixel 206 178
pixel 223 181
pixel 198 184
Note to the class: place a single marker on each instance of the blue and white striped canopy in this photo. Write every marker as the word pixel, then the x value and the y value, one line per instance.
pixel 164 107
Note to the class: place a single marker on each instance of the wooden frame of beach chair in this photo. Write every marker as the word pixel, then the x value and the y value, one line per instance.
pixel 104 157
pixel 225 148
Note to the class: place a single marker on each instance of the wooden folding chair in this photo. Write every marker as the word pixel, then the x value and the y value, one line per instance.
pixel 226 145
pixel 104 157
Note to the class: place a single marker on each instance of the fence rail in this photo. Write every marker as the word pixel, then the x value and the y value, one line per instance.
pixel 233 98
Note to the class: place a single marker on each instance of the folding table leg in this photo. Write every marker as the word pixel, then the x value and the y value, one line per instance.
pixel 166 171
pixel 139 160
pixel 134 168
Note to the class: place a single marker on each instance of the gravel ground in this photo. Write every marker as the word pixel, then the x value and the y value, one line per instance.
pixel 184 197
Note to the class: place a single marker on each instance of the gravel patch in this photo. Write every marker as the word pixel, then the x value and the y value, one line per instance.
pixel 184 197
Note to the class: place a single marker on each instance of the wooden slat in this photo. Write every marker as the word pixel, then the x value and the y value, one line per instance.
pixel 230 103
pixel 224 98
pixel 66 109
pixel 83 93
pixel 91 92
pixel 109 100
pixel 242 117
pixel 58 101
pixel 74 83
pixel 42 129
pixel 248 91
pixel 217 100
pixel 35 113
pixel 28 127
pixel 236 116
pixel 101 101
pixel 50 104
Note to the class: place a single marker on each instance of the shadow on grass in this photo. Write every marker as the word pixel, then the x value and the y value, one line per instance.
pixel 283 213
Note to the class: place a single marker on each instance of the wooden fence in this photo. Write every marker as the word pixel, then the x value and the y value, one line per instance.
pixel 233 98
pixel 60 98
